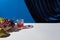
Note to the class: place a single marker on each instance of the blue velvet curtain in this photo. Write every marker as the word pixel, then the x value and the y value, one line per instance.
pixel 47 11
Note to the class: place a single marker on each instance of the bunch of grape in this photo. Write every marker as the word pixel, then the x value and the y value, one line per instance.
pixel 6 23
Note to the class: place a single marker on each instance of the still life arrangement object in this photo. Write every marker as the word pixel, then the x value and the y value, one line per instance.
pixel 7 26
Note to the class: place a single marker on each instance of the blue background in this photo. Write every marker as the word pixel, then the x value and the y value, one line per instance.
pixel 15 9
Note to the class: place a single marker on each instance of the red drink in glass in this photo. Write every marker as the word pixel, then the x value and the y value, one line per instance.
pixel 20 24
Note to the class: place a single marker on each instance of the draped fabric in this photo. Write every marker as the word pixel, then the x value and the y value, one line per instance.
pixel 47 11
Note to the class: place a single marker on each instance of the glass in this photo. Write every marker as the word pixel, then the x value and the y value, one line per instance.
pixel 20 23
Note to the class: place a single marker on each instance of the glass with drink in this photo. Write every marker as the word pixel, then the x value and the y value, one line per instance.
pixel 20 24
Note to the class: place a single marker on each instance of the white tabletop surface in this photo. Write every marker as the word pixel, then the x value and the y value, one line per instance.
pixel 40 31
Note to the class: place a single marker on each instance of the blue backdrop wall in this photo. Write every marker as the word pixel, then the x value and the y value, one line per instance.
pixel 15 9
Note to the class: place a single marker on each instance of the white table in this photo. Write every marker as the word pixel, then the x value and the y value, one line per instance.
pixel 40 31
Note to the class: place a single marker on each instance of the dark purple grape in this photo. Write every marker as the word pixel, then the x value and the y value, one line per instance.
pixel 7 23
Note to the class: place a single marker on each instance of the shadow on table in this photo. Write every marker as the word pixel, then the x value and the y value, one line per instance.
pixel 17 29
